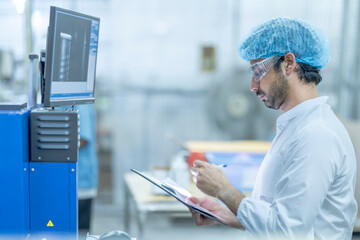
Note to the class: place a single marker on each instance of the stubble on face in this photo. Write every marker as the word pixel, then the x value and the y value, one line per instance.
pixel 278 92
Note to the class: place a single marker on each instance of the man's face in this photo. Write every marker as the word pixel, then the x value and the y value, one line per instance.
pixel 272 89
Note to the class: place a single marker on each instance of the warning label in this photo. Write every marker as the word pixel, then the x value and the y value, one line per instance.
pixel 50 224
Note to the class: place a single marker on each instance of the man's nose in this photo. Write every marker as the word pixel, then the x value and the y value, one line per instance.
pixel 254 86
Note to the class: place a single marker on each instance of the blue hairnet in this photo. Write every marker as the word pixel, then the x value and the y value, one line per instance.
pixel 279 36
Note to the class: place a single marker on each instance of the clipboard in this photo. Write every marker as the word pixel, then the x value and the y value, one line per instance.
pixel 180 194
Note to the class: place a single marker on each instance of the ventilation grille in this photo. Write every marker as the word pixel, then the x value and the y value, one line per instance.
pixel 54 135
pixel 53 132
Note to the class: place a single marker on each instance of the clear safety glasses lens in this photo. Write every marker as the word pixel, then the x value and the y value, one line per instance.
pixel 260 69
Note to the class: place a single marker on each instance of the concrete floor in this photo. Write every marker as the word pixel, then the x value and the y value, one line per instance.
pixel 160 227
pixel 107 218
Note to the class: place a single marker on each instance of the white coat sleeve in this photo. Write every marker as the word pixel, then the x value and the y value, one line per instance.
pixel 305 176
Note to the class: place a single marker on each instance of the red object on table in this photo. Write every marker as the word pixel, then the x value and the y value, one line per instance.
pixel 195 156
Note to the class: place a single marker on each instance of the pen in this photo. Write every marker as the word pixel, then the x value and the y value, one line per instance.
pixel 221 166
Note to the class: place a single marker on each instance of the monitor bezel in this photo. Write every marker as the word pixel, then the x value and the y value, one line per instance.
pixel 48 102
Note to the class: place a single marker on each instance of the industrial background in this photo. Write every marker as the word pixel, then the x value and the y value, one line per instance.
pixel 168 72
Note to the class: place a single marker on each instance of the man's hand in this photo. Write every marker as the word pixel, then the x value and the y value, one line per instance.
pixel 215 208
pixel 213 182
pixel 209 179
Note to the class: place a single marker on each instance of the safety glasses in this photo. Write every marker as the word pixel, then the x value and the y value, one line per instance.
pixel 260 69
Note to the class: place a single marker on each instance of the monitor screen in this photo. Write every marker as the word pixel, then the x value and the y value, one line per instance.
pixel 71 51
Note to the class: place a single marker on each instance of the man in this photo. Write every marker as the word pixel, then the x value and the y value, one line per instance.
pixel 305 185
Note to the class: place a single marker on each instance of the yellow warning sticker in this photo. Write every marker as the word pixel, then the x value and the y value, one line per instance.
pixel 50 224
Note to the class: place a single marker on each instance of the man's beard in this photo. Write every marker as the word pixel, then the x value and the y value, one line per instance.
pixel 278 92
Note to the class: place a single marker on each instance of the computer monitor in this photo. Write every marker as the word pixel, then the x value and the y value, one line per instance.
pixel 71 52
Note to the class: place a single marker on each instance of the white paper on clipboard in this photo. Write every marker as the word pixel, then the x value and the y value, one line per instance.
pixel 180 194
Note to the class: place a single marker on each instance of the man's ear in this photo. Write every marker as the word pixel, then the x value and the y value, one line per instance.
pixel 290 63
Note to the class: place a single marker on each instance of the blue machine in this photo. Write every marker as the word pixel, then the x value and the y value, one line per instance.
pixel 53 199
pixel 14 172
pixel 39 146
pixel 38 198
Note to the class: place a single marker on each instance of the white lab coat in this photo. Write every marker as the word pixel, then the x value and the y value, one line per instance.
pixel 306 183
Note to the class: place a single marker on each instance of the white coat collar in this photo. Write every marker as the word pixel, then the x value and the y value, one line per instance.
pixel 299 110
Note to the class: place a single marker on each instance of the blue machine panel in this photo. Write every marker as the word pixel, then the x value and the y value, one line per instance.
pixel 14 173
pixel 53 197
